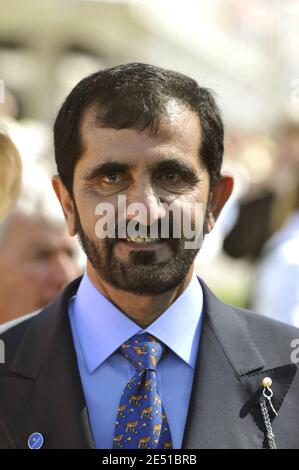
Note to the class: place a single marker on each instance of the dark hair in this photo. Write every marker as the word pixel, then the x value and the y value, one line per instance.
pixel 134 96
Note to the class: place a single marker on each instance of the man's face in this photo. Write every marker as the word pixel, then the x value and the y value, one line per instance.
pixel 36 261
pixel 154 170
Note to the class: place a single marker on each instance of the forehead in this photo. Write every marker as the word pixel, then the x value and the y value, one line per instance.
pixel 179 135
pixel 24 231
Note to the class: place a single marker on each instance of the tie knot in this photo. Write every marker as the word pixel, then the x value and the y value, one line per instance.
pixel 143 351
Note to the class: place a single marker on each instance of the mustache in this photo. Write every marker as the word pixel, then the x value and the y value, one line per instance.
pixel 175 243
pixel 164 231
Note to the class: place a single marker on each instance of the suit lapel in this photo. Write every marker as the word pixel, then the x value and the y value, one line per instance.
pixel 224 409
pixel 44 375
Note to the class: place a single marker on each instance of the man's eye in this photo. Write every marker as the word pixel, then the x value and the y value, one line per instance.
pixel 171 177
pixel 111 179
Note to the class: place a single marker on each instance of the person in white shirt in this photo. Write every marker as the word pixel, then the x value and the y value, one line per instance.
pixel 276 292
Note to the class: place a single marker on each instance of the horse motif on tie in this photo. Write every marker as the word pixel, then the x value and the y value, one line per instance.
pixel 134 399
pixel 117 439
pixel 140 351
pixel 121 410
pixel 146 412
pixel 147 384
pixel 131 426
pixel 157 429
pixel 156 400
pixel 129 384
pixel 152 339
pixel 140 400
pixel 168 445
pixel 143 441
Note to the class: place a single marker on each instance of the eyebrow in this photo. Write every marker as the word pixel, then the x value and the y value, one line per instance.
pixel 171 164
pixel 178 165
pixel 106 169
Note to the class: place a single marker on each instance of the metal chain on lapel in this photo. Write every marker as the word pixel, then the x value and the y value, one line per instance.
pixel 267 421
pixel 268 394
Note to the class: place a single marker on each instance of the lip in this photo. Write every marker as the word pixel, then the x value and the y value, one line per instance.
pixel 131 246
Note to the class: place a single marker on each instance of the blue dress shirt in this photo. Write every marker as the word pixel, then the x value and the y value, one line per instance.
pixel 99 328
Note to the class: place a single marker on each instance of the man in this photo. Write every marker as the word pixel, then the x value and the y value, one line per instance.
pixel 139 353
pixel 37 256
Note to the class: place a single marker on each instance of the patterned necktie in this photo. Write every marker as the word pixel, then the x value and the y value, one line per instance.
pixel 141 419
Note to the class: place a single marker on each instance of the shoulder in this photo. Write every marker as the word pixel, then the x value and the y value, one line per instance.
pixel 239 328
pixel 255 323
pixel 258 322
pixel 13 337
pixel 270 336
pixel 6 326
pixel 39 330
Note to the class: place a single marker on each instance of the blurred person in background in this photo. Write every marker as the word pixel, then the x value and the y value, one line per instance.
pixel 276 286
pixel 256 154
pixel 37 256
pixel 10 174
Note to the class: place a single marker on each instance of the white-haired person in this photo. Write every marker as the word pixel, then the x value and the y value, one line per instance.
pixel 37 256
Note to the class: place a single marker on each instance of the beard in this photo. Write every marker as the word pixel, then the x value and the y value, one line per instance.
pixel 141 274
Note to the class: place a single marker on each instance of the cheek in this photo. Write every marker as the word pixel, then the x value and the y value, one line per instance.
pixel 87 214
pixel 99 218
pixel 189 210
pixel 34 274
pixel 200 193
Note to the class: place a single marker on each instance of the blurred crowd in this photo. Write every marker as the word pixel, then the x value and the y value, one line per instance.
pixel 253 254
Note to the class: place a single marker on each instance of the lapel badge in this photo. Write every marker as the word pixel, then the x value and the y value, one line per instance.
pixel 35 441
pixel 268 393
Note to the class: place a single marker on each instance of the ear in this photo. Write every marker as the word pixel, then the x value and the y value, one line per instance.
pixel 220 194
pixel 66 203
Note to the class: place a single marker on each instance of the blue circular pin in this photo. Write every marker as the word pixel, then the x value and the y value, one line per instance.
pixel 35 441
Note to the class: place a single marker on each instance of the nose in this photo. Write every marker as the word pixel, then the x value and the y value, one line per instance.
pixel 144 205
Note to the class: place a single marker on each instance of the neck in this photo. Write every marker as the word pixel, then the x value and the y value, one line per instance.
pixel 142 309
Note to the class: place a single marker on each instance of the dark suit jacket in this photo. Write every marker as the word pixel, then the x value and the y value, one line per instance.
pixel 41 391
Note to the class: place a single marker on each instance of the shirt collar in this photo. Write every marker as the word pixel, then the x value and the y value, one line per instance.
pixel 101 327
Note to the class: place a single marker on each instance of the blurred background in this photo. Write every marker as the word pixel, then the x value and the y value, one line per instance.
pixel 246 51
